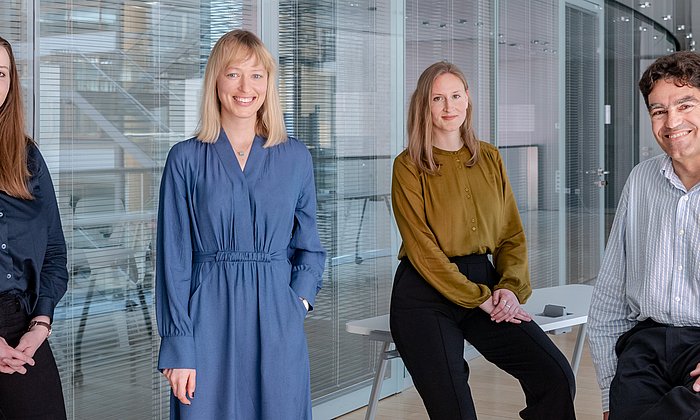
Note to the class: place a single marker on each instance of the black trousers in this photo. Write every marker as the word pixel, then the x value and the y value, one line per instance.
pixel 652 379
pixel 429 332
pixel 37 394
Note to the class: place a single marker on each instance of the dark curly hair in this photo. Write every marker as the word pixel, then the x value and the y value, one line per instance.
pixel 681 68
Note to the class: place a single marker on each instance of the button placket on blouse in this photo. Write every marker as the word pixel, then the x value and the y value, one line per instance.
pixel 5 259
pixel 470 202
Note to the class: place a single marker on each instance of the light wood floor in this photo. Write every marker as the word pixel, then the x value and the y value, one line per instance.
pixel 497 395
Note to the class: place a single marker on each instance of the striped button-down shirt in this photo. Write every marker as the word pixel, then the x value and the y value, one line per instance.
pixel 651 267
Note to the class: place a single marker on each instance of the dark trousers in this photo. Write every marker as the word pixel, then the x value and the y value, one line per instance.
pixel 37 394
pixel 429 332
pixel 652 379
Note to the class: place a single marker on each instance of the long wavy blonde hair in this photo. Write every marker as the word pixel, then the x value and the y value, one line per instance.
pixel 239 45
pixel 420 122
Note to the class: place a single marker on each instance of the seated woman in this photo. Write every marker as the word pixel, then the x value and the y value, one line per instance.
pixel 454 207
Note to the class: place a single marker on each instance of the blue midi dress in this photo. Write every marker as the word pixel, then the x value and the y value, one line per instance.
pixel 236 250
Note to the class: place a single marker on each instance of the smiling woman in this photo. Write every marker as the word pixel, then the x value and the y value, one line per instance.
pixel 241 87
pixel 448 106
pixel 239 257
pixel 456 213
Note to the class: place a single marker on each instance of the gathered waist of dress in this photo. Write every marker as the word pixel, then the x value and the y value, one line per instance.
pixel 238 256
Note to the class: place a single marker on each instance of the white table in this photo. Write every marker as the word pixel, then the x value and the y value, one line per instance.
pixel 575 297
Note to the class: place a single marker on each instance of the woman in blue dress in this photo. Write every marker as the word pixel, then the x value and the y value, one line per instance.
pixel 239 257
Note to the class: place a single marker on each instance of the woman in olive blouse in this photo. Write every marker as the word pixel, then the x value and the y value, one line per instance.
pixel 454 207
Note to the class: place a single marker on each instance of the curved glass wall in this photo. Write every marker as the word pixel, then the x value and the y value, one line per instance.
pixel 632 42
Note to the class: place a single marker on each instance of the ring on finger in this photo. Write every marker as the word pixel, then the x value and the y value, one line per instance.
pixel 507 306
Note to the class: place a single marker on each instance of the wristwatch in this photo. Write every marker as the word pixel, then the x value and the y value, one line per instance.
pixel 42 323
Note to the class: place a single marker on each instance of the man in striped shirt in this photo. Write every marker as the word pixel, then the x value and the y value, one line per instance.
pixel 645 314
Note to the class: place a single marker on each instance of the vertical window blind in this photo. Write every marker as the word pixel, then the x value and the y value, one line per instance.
pixel 334 82
pixel 528 57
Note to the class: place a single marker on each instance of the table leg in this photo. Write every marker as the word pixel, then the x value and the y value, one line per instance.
pixel 578 349
pixel 377 385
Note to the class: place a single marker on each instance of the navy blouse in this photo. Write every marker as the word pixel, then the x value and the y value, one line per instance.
pixel 32 247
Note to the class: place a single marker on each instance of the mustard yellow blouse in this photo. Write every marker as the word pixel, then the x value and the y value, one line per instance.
pixel 460 211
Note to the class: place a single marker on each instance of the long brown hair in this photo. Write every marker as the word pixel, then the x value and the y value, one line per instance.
pixel 14 172
pixel 239 45
pixel 420 122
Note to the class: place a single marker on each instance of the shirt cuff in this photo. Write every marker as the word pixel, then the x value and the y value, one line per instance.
pixel 605 399
pixel 44 306
pixel 177 352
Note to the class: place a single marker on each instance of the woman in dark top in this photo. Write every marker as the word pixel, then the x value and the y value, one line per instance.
pixel 33 274
pixel 454 207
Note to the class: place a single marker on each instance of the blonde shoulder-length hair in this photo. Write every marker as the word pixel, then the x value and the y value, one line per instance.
pixel 420 122
pixel 238 45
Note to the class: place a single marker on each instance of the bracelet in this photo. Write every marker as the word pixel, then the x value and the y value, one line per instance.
pixel 42 323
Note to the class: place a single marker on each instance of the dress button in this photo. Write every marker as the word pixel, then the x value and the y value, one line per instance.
pixel 677 299
pixel 9 276
pixel 3 246
pixel 473 220
pixel 681 232
pixel 469 196
pixel 473 228
pixel 1 214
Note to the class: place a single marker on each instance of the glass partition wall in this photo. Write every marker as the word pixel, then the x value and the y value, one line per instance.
pixel 335 81
pixel 110 86
pixel 114 85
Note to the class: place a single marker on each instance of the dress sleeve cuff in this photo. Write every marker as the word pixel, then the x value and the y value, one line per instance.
pixel 304 283
pixel 177 352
